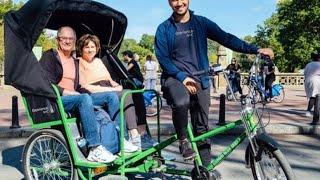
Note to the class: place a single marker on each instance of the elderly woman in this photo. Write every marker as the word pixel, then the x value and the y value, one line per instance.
pixel 96 78
pixel 312 80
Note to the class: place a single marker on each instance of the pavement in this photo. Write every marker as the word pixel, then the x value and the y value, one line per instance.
pixel 287 117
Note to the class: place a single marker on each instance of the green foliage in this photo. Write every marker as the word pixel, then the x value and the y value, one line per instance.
pixel 132 45
pixel 46 41
pixel 5 6
pixel 293 32
pixel 147 42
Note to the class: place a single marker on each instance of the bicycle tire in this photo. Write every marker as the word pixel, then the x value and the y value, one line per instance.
pixel 280 97
pixel 50 158
pixel 151 110
pixel 269 160
pixel 254 95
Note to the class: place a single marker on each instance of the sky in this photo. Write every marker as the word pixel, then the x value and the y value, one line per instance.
pixel 239 17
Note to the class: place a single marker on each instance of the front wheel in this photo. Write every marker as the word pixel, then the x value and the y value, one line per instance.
pixel 46 156
pixel 270 165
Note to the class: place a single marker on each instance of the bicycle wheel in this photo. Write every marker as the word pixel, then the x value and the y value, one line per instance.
pixel 151 109
pixel 272 165
pixel 254 95
pixel 280 97
pixel 46 156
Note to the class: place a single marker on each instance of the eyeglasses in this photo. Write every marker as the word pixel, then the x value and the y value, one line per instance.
pixel 61 38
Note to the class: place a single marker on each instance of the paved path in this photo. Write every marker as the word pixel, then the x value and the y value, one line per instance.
pixel 287 117
pixel 301 151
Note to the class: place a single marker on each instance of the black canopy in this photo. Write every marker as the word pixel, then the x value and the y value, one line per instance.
pixel 23 28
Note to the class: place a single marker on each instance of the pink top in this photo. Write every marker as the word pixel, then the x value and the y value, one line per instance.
pixel 93 71
pixel 69 74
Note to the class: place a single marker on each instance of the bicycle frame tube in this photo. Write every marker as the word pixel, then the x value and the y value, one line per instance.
pixel 250 129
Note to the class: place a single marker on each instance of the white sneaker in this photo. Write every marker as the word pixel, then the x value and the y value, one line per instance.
pixel 308 114
pixel 100 154
pixel 129 147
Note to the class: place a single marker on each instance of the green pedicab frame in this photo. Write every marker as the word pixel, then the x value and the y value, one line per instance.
pixel 124 163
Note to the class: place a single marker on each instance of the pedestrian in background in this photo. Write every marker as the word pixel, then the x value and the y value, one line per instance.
pixel 312 80
pixel 151 69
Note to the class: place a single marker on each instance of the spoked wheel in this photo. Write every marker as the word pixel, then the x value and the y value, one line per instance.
pixel 46 156
pixel 255 96
pixel 271 165
pixel 200 173
pixel 280 97
pixel 151 109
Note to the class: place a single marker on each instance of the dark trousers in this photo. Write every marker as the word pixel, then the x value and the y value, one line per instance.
pixel 268 84
pixel 181 102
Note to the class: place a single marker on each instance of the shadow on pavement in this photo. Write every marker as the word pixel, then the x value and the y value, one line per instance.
pixel 12 157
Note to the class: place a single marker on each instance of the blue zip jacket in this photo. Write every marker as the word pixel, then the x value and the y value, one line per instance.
pixel 204 28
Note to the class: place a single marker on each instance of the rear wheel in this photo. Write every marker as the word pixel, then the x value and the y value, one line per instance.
pixel 280 97
pixel 254 95
pixel 270 165
pixel 46 156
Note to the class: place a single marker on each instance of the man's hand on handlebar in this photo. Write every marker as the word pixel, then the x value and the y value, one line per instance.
pixel 191 85
pixel 267 52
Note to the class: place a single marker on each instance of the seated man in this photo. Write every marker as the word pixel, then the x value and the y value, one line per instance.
pixel 62 69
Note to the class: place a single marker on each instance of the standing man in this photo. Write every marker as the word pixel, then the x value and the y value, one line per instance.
pixel 62 69
pixel 181 49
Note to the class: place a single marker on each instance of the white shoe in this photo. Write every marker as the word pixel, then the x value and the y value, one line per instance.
pixel 100 154
pixel 308 114
pixel 129 147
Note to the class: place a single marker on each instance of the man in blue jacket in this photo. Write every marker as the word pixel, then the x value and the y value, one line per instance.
pixel 181 48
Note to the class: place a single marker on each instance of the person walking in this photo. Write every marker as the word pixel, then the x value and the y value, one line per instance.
pixel 312 81
pixel 181 49
pixel 151 69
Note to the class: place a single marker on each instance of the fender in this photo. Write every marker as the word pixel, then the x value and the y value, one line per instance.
pixel 262 140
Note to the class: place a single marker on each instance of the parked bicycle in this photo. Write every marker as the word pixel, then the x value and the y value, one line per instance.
pixel 257 90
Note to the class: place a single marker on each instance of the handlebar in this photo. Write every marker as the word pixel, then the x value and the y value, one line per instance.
pixel 216 68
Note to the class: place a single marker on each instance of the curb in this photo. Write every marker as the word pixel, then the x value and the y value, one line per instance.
pixel 274 129
pixel 168 129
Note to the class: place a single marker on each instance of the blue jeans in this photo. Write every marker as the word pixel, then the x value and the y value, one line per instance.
pixel 83 103
pixel 111 101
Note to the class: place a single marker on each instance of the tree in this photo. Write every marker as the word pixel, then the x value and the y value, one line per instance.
pixel 293 32
pixel 132 45
pixel 5 6
pixel 147 42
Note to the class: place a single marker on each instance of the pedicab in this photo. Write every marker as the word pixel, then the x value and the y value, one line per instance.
pixel 52 151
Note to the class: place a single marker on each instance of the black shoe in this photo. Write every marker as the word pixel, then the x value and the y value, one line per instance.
pixel 186 150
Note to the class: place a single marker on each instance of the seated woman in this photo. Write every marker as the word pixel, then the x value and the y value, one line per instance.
pixel 96 78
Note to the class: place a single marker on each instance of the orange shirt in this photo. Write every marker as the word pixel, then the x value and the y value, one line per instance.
pixel 69 74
